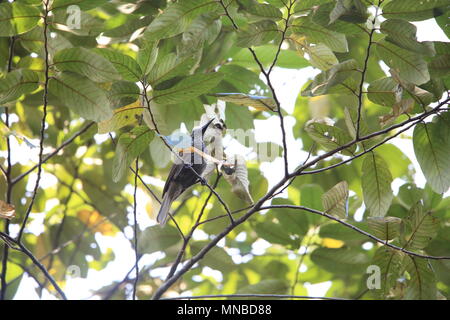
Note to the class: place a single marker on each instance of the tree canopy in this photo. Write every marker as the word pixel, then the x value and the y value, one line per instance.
pixel 97 96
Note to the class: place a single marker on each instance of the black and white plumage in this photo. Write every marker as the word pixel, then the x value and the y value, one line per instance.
pixel 181 175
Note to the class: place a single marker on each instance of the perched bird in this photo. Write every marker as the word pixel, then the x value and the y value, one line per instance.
pixel 181 175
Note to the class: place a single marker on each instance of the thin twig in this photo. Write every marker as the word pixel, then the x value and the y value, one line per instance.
pixel 189 236
pixel 364 70
pixel 43 122
pixel 349 225
pixel 60 229
pixel 301 258
pixel 9 187
pixel 300 170
pixel 21 248
pixel 55 152
pixel 269 82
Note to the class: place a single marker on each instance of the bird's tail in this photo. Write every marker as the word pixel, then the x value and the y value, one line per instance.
pixel 163 214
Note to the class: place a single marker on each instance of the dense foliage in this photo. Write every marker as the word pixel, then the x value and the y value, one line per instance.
pixel 93 91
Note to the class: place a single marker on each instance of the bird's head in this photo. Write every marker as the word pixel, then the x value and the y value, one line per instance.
pixel 200 131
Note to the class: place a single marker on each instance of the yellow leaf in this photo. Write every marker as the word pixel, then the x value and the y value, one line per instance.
pixel 149 208
pixel 121 117
pixel 332 243
pixel 94 220
pixel 7 210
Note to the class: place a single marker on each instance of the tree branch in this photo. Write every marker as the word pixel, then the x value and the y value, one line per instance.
pixel 43 122
pixel 55 152
pixel 9 187
pixel 349 225
pixel 364 70
pixel 21 248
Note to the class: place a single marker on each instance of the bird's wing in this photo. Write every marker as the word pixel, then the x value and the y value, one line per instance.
pixel 173 174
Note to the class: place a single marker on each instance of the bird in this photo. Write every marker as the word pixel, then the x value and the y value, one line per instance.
pixel 182 175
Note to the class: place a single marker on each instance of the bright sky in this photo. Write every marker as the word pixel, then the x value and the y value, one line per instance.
pixel 287 84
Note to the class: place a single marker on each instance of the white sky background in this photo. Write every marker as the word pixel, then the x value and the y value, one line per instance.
pixel 287 84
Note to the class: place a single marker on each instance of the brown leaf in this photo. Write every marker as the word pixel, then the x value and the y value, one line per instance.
pixel 7 210
pixel 95 220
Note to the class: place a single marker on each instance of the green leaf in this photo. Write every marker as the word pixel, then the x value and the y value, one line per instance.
pixel 376 184
pixel 340 261
pixel 267 286
pixel 442 21
pixel 123 93
pixel 351 119
pixel 294 221
pixel 266 54
pixel 203 30
pixel 17 83
pixel 325 80
pixel 385 228
pixel 17 18
pixel 420 95
pixel 423 227
pixel 410 66
pixel 403 34
pixel 176 18
pixel 415 10
pixel 241 99
pixel 261 9
pixel 337 231
pixel 130 146
pixel 311 196
pixel 335 200
pixel 82 4
pixel 217 258
pixel 432 149
pixel 134 23
pixel 188 88
pixel 440 66
pixel 257 33
pixel 275 233
pixel 349 10
pixel 305 5
pixel 127 67
pixel 385 92
pixel 238 117
pixel 87 63
pixel 155 238
pixel 89 25
pixel 408 194
pixel 321 56
pixel 329 137
pixel 390 263
pixel 242 79
pixel 317 34
pixel 14 277
pixel 146 57
pixel 169 66
pixel 81 95
pixel 400 167
pixel 422 282
pixel 33 41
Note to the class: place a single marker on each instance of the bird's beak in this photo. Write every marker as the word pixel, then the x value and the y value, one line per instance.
pixel 206 125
